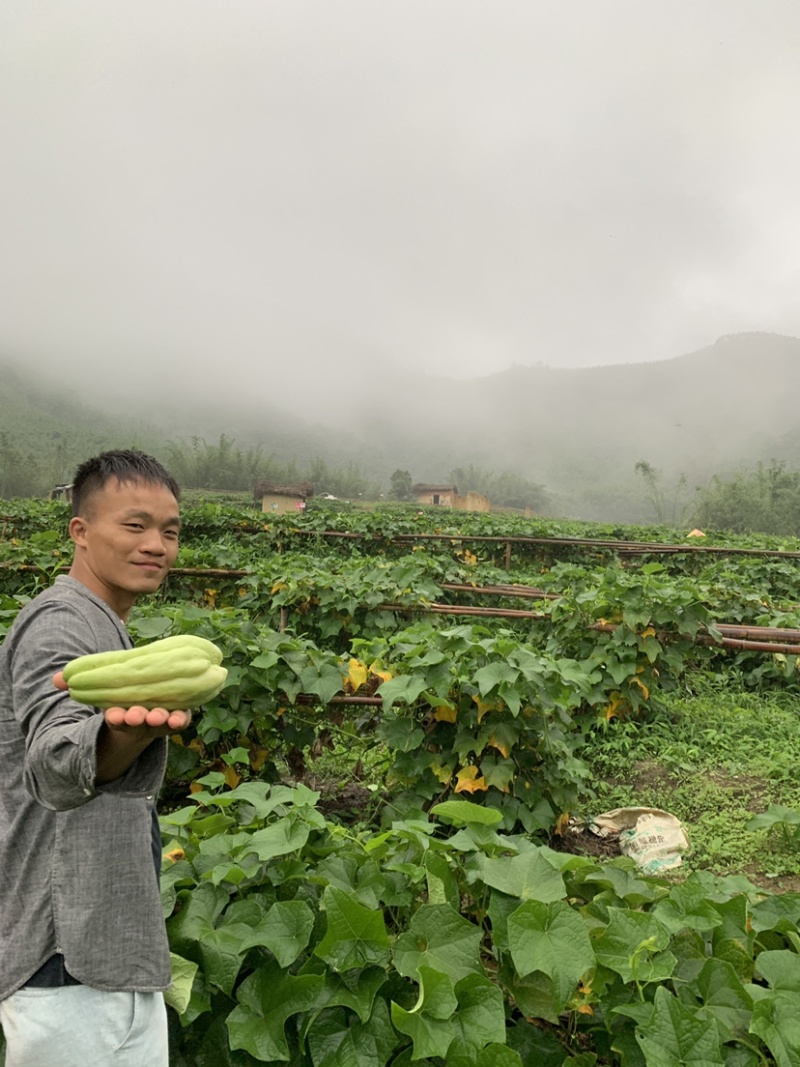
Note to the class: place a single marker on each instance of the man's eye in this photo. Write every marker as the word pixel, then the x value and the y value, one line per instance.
pixel 134 526
pixel 171 534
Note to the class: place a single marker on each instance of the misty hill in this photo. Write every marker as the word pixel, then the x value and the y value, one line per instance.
pixel 721 408
pixel 579 432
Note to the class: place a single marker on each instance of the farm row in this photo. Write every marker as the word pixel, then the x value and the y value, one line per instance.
pixel 447 931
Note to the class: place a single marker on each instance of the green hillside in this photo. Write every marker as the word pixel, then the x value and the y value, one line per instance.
pixel 578 432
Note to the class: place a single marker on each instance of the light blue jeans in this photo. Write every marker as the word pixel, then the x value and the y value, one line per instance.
pixel 76 1026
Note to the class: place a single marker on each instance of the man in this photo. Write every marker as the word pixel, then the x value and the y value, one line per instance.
pixel 84 957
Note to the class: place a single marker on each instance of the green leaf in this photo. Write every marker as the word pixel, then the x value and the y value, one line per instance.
pixel 528 876
pixel 400 733
pixel 334 1043
pixel 480 1019
pixel 404 687
pixel 153 627
pixel 179 993
pixel 675 1035
pixel 493 675
pixel 278 839
pixel 534 1045
pixel 473 1017
pixel 781 968
pixel 267 998
pixel 355 936
pixel 285 930
pixel 779 912
pixel 429 1036
pixel 439 938
pixel 628 944
pixel 437 996
pixel 551 938
pixel 265 660
pixel 687 907
pixel 493 1055
pixel 623 883
pixel 533 995
pixel 465 813
pixel 198 913
pixel 776 1021
pixel 442 884
pixel 324 681
pixel 360 998
pixel 724 996
pixel 775 815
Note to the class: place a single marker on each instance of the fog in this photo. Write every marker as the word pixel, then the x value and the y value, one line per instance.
pixel 295 201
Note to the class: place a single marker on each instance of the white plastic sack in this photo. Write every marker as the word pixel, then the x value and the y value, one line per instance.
pixel 654 839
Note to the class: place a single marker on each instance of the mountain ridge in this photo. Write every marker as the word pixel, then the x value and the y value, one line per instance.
pixel 578 431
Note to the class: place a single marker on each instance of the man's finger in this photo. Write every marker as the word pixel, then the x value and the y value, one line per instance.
pixel 58 680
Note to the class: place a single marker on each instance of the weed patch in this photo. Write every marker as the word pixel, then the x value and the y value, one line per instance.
pixel 715 756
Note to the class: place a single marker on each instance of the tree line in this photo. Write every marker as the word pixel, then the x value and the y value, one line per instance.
pixel 763 499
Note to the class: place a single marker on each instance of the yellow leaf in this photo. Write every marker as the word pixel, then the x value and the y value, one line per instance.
pixel 385 676
pixel 586 1009
pixel 468 781
pixel 258 757
pixel 642 686
pixel 232 777
pixel 277 587
pixel 612 709
pixel 357 673
pixel 501 746
pixel 562 822
pixel 446 713
pixel 485 706
pixel 649 632
pixel 176 854
pixel 441 772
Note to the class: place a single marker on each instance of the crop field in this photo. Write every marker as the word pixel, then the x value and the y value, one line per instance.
pixel 374 838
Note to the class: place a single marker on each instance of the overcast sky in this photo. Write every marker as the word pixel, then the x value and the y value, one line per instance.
pixel 242 189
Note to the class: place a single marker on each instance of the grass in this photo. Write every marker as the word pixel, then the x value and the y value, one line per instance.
pixel 714 756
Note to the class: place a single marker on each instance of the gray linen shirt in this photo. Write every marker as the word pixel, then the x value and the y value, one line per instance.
pixel 76 860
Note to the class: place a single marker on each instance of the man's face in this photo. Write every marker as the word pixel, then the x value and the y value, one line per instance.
pixel 126 541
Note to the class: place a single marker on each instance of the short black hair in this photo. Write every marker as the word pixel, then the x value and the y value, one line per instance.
pixel 126 465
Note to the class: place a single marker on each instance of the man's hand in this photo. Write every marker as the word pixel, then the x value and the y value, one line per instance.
pixel 128 733
pixel 158 721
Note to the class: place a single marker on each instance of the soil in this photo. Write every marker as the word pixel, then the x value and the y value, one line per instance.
pixel 585 843
pixel 341 801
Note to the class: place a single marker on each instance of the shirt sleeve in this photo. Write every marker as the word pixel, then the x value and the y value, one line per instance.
pixel 60 734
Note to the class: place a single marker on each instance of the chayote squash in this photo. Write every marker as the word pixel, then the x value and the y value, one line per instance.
pixel 177 672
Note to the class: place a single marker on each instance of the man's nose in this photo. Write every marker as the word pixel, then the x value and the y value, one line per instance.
pixel 154 543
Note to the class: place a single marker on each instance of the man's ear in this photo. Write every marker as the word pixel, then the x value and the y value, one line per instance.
pixel 77 529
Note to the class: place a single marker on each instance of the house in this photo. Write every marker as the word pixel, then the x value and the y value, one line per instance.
pixel 448 496
pixel 441 495
pixel 278 499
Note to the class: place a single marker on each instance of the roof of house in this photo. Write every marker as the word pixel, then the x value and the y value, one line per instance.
pixel 302 490
pixel 423 487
